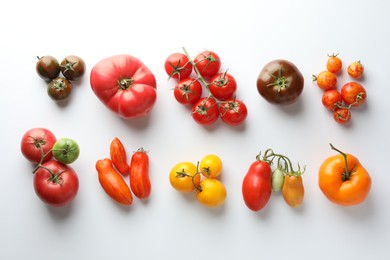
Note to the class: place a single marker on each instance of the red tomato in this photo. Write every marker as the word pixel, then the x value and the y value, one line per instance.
pixel 139 174
pixel 353 94
pixel 331 99
pixel 125 85
pixel 188 91
pixel 55 183
pixel 233 112
pixel 207 63
pixel 178 66
pixel 37 142
pixel 205 111
pixel 223 86
pixel 256 186
pixel 342 115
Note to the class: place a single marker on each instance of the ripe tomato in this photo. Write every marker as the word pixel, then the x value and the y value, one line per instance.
pixel 353 94
pixel 139 174
pixel 125 85
pixel 343 179
pixel 205 111
pixel 211 166
pixel 66 150
pixel 55 183
pixel 355 70
pixel 178 66
pixel 36 144
pixel 113 183
pixel 118 156
pixel 184 177
pixel 47 67
pixel 188 91
pixel 207 63
pixel 72 67
pixel 211 193
pixel 331 99
pixel 59 89
pixel 325 80
pixel 233 112
pixel 223 86
pixel 256 186
pixel 293 190
pixel 280 82
pixel 334 63
pixel 342 115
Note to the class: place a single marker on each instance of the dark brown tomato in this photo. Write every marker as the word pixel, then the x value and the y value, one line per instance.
pixel 59 89
pixel 72 67
pixel 47 67
pixel 280 82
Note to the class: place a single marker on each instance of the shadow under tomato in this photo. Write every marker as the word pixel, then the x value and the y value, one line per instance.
pixel 138 124
pixel 294 108
pixel 61 213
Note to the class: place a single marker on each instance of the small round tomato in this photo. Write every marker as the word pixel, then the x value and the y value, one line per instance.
pixel 55 183
pixel 326 80
pixel 334 63
pixel 205 111
pixel 36 143
pixel 66 150
pixel 280 82
pixel 178 66
pixel 233 112
pixel 47 67
pixel 223 86
pixel 188 91
pixel 355 69
pixel 353 94
pixel 211 166
pixel 208 63
pixel 184 177
pixel 331 99
pixel 59 89
pixel 211 193
pixel 342 115
pixel 72 67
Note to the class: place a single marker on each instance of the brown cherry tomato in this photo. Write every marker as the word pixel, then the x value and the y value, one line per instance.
pixel 118 156
pixel 356 69
pixel 139 174
pixel 59 89
pixel 293 190
pixel 72 67
pixel 326 80
pixel 113 183
pixel 334 63
pixel 47 67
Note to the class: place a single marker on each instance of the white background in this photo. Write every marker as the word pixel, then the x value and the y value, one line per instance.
pixel 246 35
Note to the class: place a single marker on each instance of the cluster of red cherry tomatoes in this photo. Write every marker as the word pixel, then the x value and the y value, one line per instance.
pixel 352 94
pixel 221 87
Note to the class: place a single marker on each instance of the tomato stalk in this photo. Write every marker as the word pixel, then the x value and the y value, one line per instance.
pixel 347 174
pixel 183 174
pixel 125 83
pixel 283 162
pixel 280 81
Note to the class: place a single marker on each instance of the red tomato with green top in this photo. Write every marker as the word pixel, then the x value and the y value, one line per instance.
pixel 223 86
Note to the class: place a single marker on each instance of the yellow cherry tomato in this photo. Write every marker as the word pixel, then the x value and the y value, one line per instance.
pixel 211 193
pixel 211 166
pixel 183 177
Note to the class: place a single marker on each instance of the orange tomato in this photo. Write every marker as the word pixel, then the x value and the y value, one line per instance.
pixel 211 193
pixel 118 156
pixel 184 177
pixel 293 190
pixel 326 80
pixel 343 179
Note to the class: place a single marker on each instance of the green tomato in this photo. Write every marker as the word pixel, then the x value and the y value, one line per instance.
pixel 66 150
pixel 277 179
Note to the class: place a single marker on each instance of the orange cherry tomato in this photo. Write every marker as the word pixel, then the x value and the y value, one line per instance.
pixel 325 80
pixel 334 63
pixel 356 69
pixel 343 179
pixel 293 190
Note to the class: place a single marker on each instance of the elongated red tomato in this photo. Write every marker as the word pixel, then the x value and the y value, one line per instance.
pixel 118 156
pixel 257 187
pixel 125 85
pixel 113 183
pixel 139 174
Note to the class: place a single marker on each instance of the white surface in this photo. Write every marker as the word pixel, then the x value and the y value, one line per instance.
pixel 246 36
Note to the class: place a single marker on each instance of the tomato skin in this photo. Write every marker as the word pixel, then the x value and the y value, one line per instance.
pixel 233 112
pixel 353 94
pixel 205 111
pixel 331 99
pixel 223 86
pixel 177 66
pixel 118 156
pixel 211 193
pixel 293 190
pixel 188 91
pixel 53 193
pixel 59 89
pixel 72 67
pixel 113 183
pixel 208 63
pixel 355 70
pixel 256 186
pixel 326 80
pixel 280 82
pixel 47 67
pixel 125 85
pixel 139 174
pixel 345 193
pixel 29 144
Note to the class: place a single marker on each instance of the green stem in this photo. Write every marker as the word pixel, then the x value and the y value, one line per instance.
pixel 347 174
